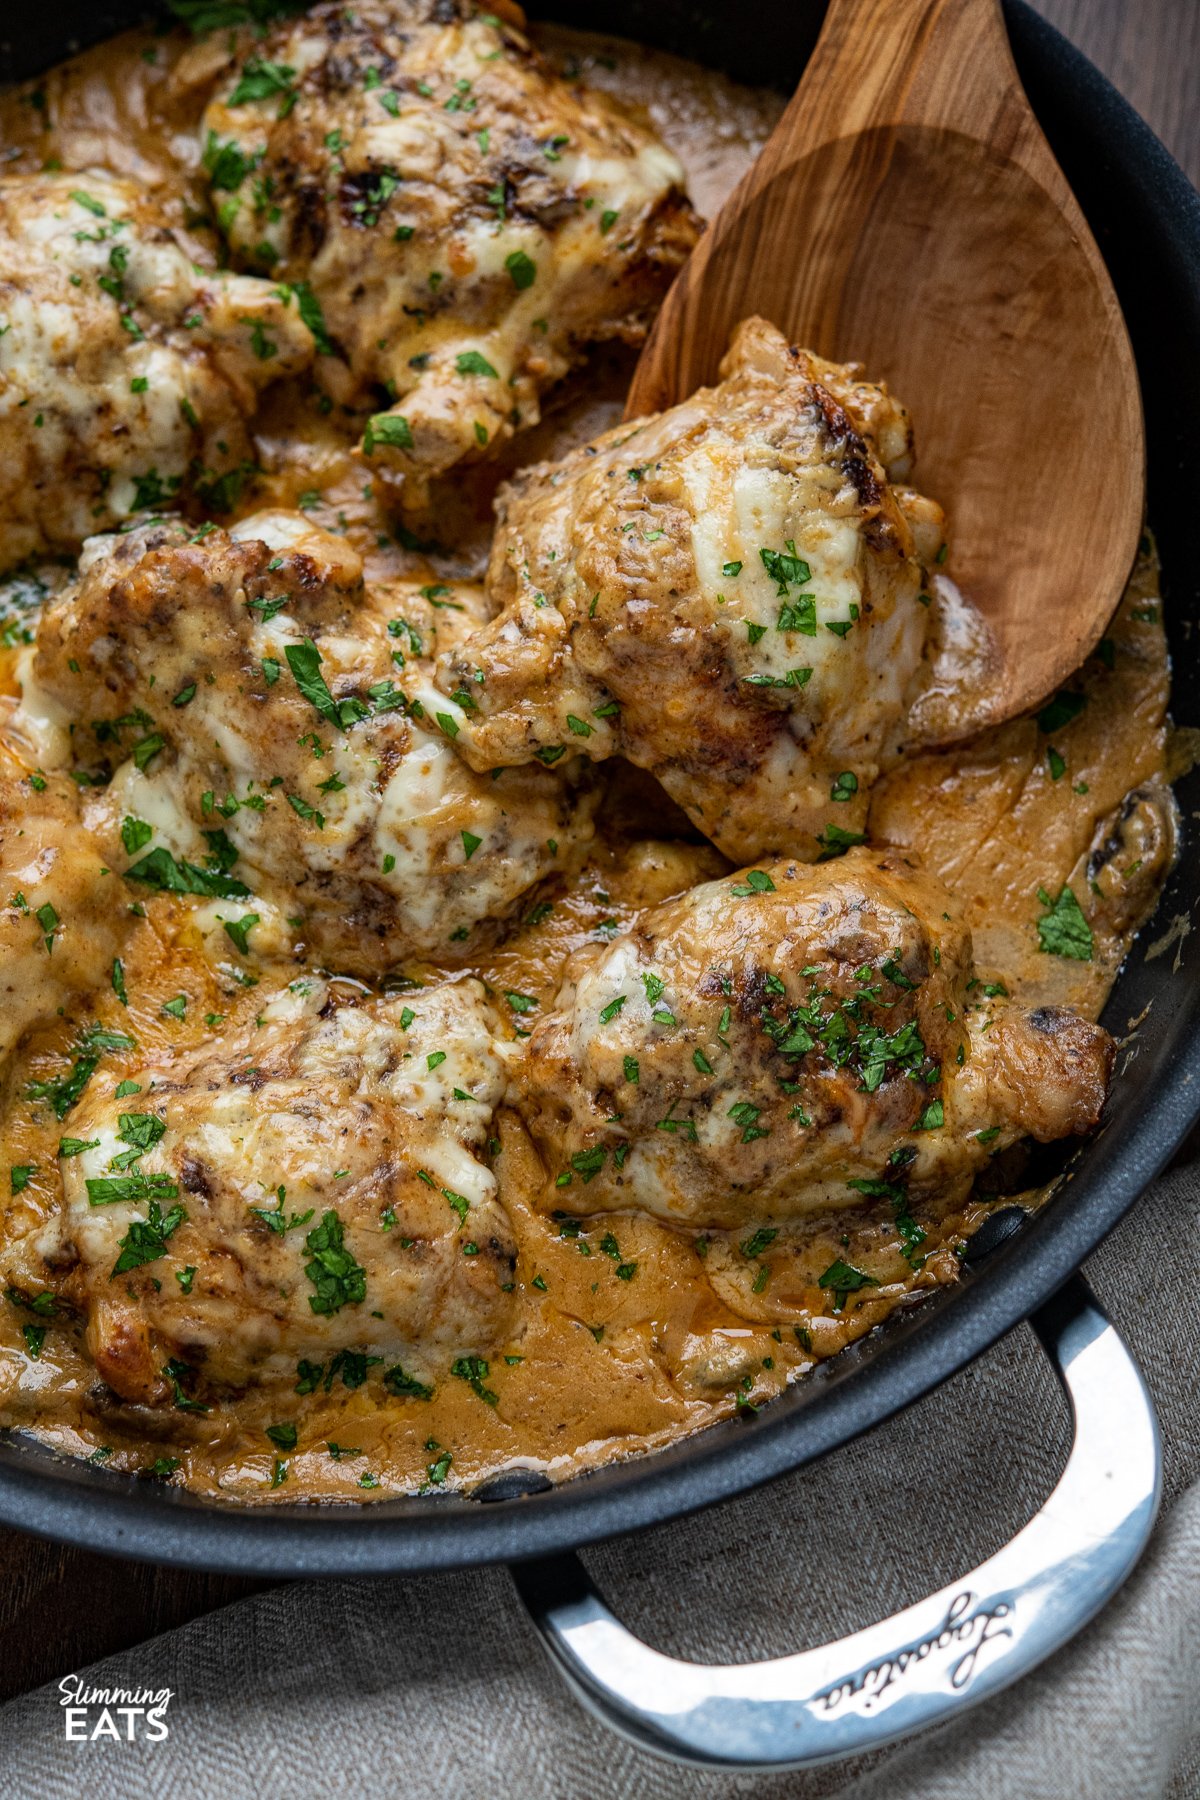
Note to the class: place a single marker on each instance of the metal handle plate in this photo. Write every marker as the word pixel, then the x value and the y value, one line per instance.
pixel 926 1664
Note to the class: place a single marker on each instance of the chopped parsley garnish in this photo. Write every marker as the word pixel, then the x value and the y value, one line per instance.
pixel 309 1374
pixel 841 1278
pixel 181 1376
pixel 799 615
pixel 277 1220
pixel 835 840
pixel 1063 929
pixel 159 869
pixel 847 1037
pixel 304 660
pixel 438 1470
pixel 785 567
pixel 71 1146
pixel 141 1131
pixel 745 1114
pixel 758 1241
pixel 879 1052
pixel 238 930
pixel 339 1280
pixel 304 810
pixel 47 918
pixel 259 80
pixel 521 268
pixel 62 1094
pixel 113 1190
pixel 474 1371
pixel 473 362
pixel 268 609
pixel 757 882
pixel 398 1381
pixel 588 1163
pixel 1058 712
pixel 313 317
pixel 146 1241
pixel 44 1304
pixel 387 428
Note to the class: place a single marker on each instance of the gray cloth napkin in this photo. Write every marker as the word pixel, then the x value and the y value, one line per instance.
pixel 437 1686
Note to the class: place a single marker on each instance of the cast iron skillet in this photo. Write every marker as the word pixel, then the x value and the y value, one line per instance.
pixel 981 1633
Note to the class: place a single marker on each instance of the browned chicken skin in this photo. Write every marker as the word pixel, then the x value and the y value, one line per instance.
pixel 313 1188
pixel 466 221
pixel 728 594
pixel 128 376
pixel 788 1038
pixel 259 712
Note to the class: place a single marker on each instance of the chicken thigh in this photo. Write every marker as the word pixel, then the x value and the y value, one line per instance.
pixel 314 1190
pixel 258 715
pixel 790 1040
pixel 728 594
pixel 127 374
pixel 461 221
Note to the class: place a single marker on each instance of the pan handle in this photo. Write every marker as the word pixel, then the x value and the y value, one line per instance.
pixel 927 1664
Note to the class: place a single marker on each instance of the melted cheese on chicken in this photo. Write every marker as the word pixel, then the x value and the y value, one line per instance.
pixel 311 1190
pixel 464 222
pixel 279 742
pixel 127 373
pixel 738 560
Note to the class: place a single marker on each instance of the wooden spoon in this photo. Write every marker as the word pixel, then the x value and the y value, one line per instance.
pixel 907 213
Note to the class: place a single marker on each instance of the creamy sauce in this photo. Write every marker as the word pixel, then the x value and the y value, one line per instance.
pixel 598 1365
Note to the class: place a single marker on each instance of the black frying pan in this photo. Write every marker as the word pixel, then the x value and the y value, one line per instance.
pixel 1146 218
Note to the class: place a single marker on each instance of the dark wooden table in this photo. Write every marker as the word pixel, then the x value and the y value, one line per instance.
pixel 60 1608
